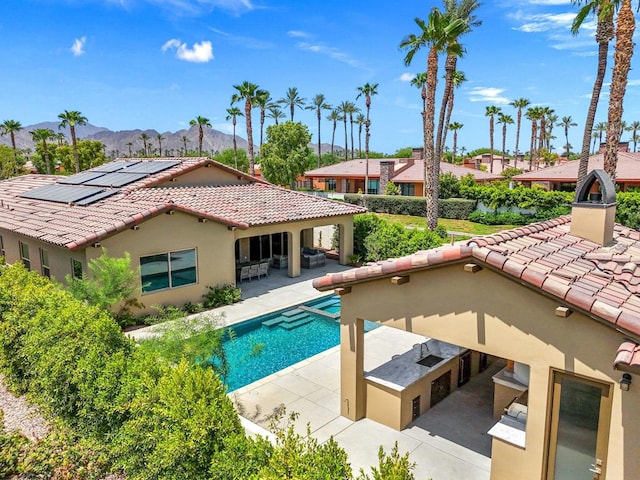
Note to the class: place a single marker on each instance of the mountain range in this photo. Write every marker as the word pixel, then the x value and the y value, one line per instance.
pixel 117 143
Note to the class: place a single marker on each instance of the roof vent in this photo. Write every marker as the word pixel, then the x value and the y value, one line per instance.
pixel 594 208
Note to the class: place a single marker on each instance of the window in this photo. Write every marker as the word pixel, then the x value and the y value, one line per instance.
pixel 407 189
pixel 76 269
pixel 2 254
pixel 24 255
pixel 44 263
pixel 374 185
pixel 330 184
pixel 168 270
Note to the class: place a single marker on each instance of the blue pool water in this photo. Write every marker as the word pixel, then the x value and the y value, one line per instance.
pixel 266 344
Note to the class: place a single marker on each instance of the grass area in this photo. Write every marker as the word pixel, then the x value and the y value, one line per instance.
pixel 464 226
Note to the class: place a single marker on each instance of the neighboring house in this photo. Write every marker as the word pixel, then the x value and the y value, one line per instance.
pixel 406 173
pixel 187 223
pixel 558 300
pixel 564 177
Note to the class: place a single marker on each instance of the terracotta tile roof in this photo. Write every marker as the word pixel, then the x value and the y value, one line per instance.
pixel 603 282
pixel 628 357
pixel 405 172
pixel 74 226
pixel 627 169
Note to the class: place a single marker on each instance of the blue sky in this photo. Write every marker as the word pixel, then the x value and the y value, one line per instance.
pixel 157 64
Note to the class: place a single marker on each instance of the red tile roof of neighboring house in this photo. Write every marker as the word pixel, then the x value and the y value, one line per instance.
pixel 74 226
pixel 628 357
pixel 627 170
pixel 603 282
pixel 406 172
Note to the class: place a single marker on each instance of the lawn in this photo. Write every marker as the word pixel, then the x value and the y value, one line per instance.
pixel 463 226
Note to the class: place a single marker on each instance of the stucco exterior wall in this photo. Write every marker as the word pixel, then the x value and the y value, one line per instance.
pixel 205 176
pixel 488 312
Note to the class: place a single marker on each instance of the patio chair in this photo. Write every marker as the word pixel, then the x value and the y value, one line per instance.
pixel 244 273
pixel 263 269
pixel 253 271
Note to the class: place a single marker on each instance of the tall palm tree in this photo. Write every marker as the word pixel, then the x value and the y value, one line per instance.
pixel 491 111
pixel 201 122
pixel 566 123
pixel 293 99
pixel 519 104
pixel 505 120
pixel 184 142
pixel 275 112
pixel 129 145
pixel 360 122
pixel 318 104
pixel 633 128
pixel 262 101
pixel 352 110
pixel 233 113
pixel 420 81
pixel 626 25
pixel 455 126
pixel 594 135
pixel 160 138
pixel 71 119
pixel 601 128
pixel 534 114
pixel 144 137
pixel 247 91
pixel 10 127
pixel 343 109
pixel 457 79
pixel 544 114
pixel 551 119
pixel 42 135
pixel 333 117
pixel 604 10
pixel 368 90
pixel 435 33
pixel 61 138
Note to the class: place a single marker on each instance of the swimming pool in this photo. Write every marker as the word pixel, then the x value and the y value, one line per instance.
pixel 263 345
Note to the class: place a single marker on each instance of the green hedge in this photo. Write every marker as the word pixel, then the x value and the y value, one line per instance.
pixel 456 208
pixel 394 204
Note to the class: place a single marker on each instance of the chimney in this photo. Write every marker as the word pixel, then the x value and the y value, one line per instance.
pixel 417 153
pixel 593 210
pixel 387 172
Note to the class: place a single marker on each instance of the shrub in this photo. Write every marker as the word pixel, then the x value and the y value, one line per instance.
pixel 449 186
pixel 392 240
pixel 627 211
pixel 391 189
pixel 363 225
pixel 13 446
pixel 456 208
pixel 502 218
pixel 221 295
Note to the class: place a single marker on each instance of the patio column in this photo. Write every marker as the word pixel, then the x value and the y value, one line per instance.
pixel 352 385
pixel 294 253
pixel 346 240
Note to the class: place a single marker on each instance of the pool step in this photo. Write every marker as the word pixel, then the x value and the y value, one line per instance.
pixel 272 322
pixel 297 323
pixel 291 313
pixel 287 318
pixel 327 303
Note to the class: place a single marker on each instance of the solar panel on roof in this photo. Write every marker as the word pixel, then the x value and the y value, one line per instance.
pixel 113 166
pixel 61 193
pixel 80 178
pixel 116 179
pixel 97 196
pixel 151 167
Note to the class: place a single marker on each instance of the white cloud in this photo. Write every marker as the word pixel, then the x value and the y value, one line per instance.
pixel 407 77
pixel 546 21
pixel 333 53
pixel 202 7
pixel 491 95
pixel 78 46
pixel 200 52
pixel 297 34
pixel 244 42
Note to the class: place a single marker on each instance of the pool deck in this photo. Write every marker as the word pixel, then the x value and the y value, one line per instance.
pixel 448 443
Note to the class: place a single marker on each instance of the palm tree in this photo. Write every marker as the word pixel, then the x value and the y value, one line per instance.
pixel 352 110
pixel 262 101
pixel 275 112
pixel 626 25
pixel 201 122
pixel 455 126
pixel 436 33
pixel 604 10
pixel 129 145
pixel 505 120
pixel 10 127
pixel 293 99
pixel 519 104
pixel 594 135
pixel 233 113
pixel 160 138
pixel 551 119
pixel 360 120
pixel 368 90
pixel 71 119
pixel 247 91
pixel 343 110
pixel 544 114
pixel 566 123
pixel 42 135
pixel 318 104
pixel 534 114
pixel 457 79
pixel 491 111
pixel 184 142
pixel 61 138
pixel 634 127
pixel 333 117
pixel 144 137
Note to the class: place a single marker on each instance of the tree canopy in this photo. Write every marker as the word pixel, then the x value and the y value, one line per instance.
pixel 286 154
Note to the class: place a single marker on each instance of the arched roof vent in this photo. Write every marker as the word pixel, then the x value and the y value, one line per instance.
pixel 594 208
